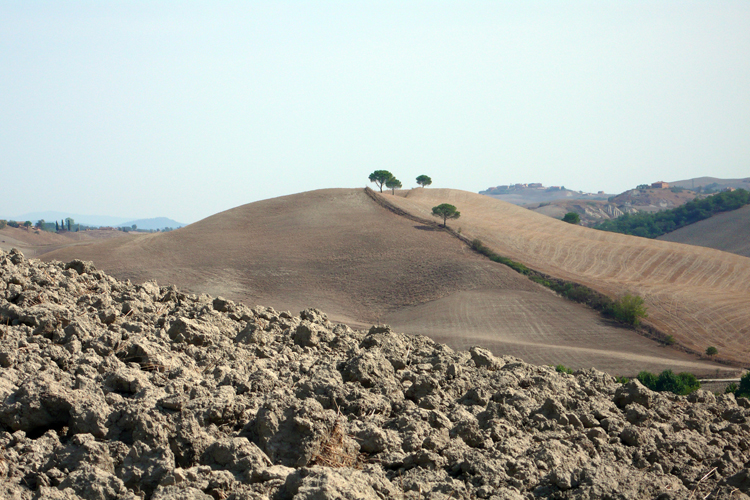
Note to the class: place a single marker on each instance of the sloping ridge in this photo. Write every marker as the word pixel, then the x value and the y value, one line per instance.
pixel 698 295
pixel 728 231
pixel 338 251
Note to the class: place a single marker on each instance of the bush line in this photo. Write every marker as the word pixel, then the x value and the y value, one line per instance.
pixel 628 309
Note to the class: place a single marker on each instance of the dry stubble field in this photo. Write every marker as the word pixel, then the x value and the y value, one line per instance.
pixel 701 296
pixel 729 232
pixel 339 251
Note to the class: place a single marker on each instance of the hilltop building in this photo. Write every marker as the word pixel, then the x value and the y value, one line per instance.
pixel 660 185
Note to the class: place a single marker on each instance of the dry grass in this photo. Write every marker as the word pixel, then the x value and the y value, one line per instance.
pixel 700 296
pixel 334 448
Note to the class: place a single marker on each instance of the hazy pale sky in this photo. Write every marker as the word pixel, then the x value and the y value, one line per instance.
pixel 185 109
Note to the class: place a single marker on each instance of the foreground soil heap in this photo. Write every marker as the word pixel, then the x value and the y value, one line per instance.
pixel 119 391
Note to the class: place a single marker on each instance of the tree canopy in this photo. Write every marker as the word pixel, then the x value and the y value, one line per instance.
pixel 572 218
pixel 446 211
pixel 424 180
pixel 380 177
pixel 393 184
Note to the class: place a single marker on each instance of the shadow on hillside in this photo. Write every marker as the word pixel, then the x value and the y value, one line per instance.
pixel 427 228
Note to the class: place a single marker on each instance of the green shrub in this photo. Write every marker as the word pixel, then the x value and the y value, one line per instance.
pixel 712 351
pixel 731 388
pixel 648 379
pixel 743 391
pixel 670 340
pixel 3 223
pixel 572 218
pixel 541 281
pixel 622 380
pixel 563 369
pixel 681 383
pixel 628 309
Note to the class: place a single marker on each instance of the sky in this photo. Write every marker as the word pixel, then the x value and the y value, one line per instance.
pixel 186 109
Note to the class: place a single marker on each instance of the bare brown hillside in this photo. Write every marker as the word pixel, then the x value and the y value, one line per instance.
pixel 339 251
pixel 33 242
pixel 728 231
pixel 698 295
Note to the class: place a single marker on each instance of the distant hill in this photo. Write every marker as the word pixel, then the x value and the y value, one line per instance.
pixel 652 225
pixel 593 211
pixel 86 220
pixel 99 220
pixel 340 251
pixel 521 194
pixel 155 223
pixel 712 184
pixel 729 231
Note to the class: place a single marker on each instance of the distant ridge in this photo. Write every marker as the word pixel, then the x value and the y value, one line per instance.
pixel 707 181
pixel 86 220
pixel 155 223
pixel 99 220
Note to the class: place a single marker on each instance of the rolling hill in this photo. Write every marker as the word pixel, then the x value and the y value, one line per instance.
pixel 728 231
pixel 698 295
pixel 339 251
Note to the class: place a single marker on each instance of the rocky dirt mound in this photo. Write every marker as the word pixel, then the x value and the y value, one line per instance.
pixel 117 391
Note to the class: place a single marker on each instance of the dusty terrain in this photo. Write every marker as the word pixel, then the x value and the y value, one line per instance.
pixel 591 212
pixel 117 391
pixel 338 251
pixel 698 295
pixel 729 231
pixel 34 243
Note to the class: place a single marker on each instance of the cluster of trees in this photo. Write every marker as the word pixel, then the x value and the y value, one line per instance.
pixel 682 383
pixel 385 178
pixel 67 224
pixel 12 223
pixel 655 224
pixel 443 211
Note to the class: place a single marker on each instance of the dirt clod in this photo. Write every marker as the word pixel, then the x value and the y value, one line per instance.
pixel 118 391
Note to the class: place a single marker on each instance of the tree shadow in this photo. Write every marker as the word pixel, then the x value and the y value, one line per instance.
pixel 428 228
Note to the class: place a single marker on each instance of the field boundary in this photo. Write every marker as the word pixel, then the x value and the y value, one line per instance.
pixel 553 283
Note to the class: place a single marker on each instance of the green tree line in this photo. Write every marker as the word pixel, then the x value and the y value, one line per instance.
pixel 651 225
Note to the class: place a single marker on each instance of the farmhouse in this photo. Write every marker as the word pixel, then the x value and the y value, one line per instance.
pixel 660 185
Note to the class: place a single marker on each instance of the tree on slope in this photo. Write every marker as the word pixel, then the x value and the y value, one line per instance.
pixel 446 211
pixel 572 218
pixel 393 184
pixel 380 177
pixel 424 180
pixel 27 224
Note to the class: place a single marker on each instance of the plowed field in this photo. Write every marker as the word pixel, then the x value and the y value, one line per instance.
pixel 339 251
pixel 699 295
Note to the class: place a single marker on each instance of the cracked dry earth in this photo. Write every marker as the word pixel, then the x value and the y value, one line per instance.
pixel 118 391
